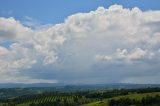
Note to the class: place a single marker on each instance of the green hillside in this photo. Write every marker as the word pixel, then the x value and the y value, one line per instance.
pixel 114 97
pixel 55 100
pixel 74 100
pixel 135 96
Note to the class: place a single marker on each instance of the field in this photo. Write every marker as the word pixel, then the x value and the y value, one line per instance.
pixel 114 97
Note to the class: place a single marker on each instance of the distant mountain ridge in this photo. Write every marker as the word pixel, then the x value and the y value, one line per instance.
pixel 79 86
pixel 22 85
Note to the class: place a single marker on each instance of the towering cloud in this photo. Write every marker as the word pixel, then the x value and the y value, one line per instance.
pixel 105 45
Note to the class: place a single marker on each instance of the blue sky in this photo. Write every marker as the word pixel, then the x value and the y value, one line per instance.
pixel 55 11
pixel 75 41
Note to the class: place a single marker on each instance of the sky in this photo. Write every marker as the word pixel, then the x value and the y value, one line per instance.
pixel 80 42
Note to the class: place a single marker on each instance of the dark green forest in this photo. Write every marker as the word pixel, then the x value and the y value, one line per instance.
pixel 145 101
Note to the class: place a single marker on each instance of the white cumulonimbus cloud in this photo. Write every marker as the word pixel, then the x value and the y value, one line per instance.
pixel 101 46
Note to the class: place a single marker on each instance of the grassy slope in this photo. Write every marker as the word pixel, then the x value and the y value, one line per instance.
pixel 41 99
pixel 105 101
pixel 132 96
pixel 1 104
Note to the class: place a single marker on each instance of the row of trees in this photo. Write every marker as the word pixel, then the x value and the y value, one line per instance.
pixel 117 92
pixel 49 99
pixel 145 101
